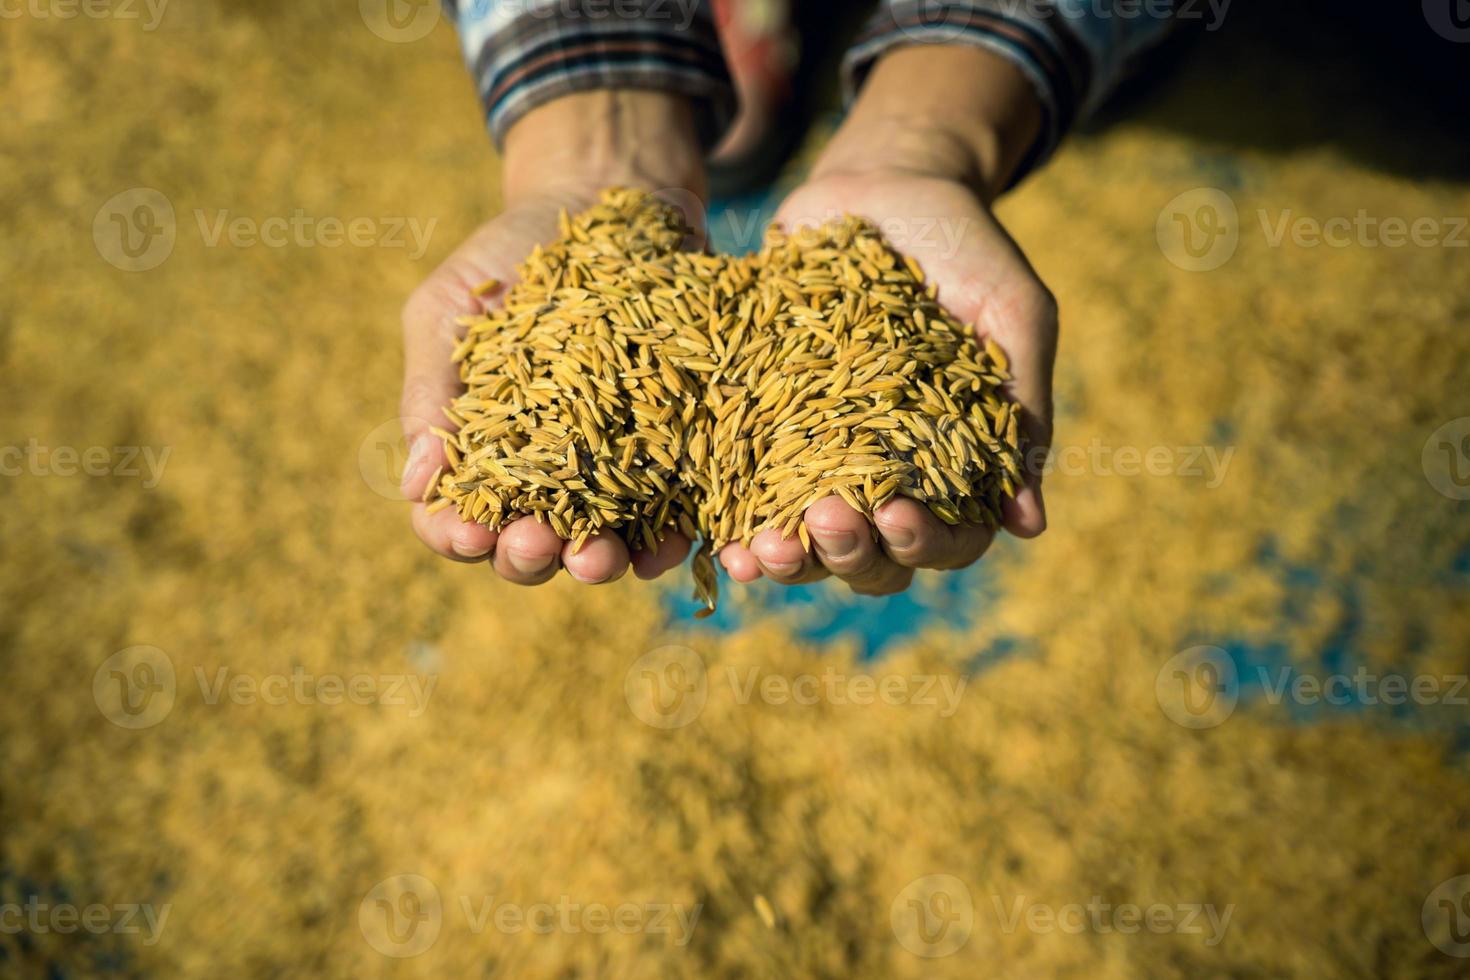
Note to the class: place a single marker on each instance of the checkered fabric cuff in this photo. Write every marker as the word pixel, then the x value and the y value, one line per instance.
pixel 524 53
pixel 1073 53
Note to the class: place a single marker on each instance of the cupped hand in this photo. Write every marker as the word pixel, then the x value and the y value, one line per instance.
pixel 984 280
pixel 525 551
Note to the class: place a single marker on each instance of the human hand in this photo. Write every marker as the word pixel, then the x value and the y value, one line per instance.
pixel 560 155
pixel 927 184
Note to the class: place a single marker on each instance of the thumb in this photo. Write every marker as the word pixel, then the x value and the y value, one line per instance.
pixel 430 379
pixel 1023 321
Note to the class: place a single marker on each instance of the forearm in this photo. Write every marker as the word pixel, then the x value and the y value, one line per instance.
pixel 606 137
pixel 629 92
pixel 977 126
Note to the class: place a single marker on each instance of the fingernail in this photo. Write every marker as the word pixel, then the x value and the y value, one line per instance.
pixel 418 451
pixel 467 550
pixel 607 580
pixel 835 544
pixel 782 569
pixel 1038 504
pixel 898 536
pixel 529 564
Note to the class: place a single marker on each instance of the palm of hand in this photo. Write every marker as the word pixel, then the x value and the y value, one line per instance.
pixel 983 279
pixel 525 551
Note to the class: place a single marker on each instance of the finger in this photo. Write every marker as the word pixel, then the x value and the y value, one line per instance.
pixel 1026 328
pixel 528 552
pixel 740 563
pixel 887 578
pixel 1024 515
pixel 447 535
pixel 785 560
pixel 671 553
pixel 602 558
pixel 430 380
pixel 989 278
pixel 843 541
pixel 915 538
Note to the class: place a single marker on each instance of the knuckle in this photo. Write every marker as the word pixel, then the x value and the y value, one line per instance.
pixel 1045 308
pixel 418 398
pixel 422 305
pixel 889 585
pixel 429 310
pixel 923 553
pixel 861 562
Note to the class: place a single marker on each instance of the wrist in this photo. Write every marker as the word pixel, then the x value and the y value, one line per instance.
pixel 975 128
pixel 603 138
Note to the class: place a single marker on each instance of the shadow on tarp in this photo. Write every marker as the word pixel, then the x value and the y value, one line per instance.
pixel 1377 83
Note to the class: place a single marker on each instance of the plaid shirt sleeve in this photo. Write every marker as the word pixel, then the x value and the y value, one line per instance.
pixel 524 53
pixel 1074 53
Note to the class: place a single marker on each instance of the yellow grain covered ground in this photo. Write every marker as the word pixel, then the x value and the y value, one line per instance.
pixel 798 831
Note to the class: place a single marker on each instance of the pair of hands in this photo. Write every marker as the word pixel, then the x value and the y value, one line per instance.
pixel 923 174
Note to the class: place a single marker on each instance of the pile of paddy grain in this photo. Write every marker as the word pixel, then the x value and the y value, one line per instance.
pixel 628 386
